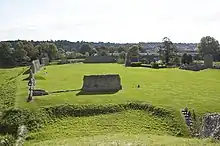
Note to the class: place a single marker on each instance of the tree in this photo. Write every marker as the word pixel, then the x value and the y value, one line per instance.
pixel 32 52
pixel 6 54
pixel 122 49
pixel 134 49
pixel 93 52
pixel 167 51
pixel 208 45
pixel 85 48
pixel 19 54
pixel 47 49
pixel 141 48
pixel 186 58
pixel 102 51
pixel 121 57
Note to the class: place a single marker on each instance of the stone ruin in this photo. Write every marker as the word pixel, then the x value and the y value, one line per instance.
pixel 211 126
pixel 35 66
pixel 208 61
pixel 44 61
pixel 132 56
pixel 102 83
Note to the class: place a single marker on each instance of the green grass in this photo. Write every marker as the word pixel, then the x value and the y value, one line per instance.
pixel 125 139
pixel 134 127
pixel 130 122
pixel 8 86
pixel 164 87
pixel 168 88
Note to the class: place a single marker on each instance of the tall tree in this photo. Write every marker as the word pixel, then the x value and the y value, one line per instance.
pixel 85 48
pixel 47 49
pixel 6 52
pixel 32 52
pixel 208 45
pixel 19 54
pixel 167 51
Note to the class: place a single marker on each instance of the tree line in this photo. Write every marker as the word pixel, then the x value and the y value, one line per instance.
pixel 21 52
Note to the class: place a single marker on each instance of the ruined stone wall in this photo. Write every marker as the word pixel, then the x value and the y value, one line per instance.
pixel 208 61
pixel 102 83
pixel 44 61
pixel 35 66
pixel 100 59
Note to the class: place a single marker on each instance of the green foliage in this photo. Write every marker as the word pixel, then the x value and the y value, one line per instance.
pixel 134 49
pixel 47 49
pixel 208 45
pixel 186 59
pixel 168 51
pixel 6 53
pixel 85 48
pixel 154 65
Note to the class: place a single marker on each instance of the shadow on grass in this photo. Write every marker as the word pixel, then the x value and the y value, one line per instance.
pixel 95 92
pixel 63 91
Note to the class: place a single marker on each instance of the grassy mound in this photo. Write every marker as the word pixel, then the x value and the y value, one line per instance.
pixel 127 122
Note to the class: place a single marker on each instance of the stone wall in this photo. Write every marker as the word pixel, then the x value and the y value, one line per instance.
pixel 102 83
pixel 44 61
pixel 100 59
pixel 35 66
pixel 208 61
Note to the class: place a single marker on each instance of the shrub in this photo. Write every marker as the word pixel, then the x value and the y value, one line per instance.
pixel 186 58
pixel 154 65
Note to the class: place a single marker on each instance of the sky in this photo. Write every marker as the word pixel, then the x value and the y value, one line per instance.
pixel 120 21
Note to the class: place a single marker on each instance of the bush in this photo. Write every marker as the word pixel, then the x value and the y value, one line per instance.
pixel 136 64
pixel 186 59
pixel 154 65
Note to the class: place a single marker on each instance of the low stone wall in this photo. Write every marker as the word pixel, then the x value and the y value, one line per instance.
pixel 102 83
pixel 100 59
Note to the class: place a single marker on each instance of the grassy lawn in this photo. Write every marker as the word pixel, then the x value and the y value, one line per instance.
pixel 167 88
pixel 8 86
pixel 134 127
pixel 125 122
pixel 125 140
pixel 164 87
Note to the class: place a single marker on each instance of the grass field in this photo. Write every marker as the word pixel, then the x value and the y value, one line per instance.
pixel 132 127
pixel 125 140
pixel 8 86
pixel 171 89
pixel 164 87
